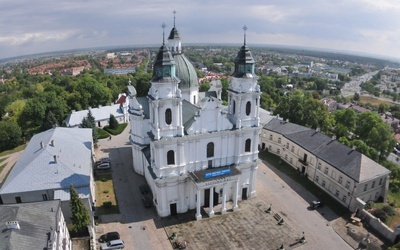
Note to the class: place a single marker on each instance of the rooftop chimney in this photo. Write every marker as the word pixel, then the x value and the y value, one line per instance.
pixel 55 158
pixel 333 137
pixel 41 145
pixel 52 143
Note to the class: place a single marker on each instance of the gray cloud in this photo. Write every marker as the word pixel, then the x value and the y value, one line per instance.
pixel 28 27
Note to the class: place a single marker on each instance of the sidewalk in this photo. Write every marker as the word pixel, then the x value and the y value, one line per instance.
pixel 10 161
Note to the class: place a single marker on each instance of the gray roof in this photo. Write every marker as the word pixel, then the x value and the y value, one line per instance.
pixel 348 161
pixel 144 101
pixel 185 72
pixel 284 127
pixel 36 221
pixel 188 113
pixel 36 166
pixel 99 114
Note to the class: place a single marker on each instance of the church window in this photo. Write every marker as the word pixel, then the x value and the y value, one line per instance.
pixel 247 146
pixel 171 157
pixel 233 107
pixel 168 116
pixel 210 150
pixel 248 108
pixel 373 184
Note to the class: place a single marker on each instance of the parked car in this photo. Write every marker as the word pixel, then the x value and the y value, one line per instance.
pixel 109 237
pixel 315 204
pixel 103 166
pixel 144 189
pixel 114 244
pixel 147 202
pixel 105 159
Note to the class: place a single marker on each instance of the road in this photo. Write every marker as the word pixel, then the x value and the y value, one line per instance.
pixel 354 85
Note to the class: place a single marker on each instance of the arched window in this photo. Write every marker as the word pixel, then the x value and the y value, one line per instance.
pixel 168 116
pixel 171 157
pixel 233 107
pixel 247 146
pixel 248 108
pixel 210 150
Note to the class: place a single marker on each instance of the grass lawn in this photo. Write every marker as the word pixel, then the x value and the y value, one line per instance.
pixel 105 194
pixel 19 148
pixel 2 167
pixel 373 101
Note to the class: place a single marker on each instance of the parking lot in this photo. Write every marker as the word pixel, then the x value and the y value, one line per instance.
pixel 249 228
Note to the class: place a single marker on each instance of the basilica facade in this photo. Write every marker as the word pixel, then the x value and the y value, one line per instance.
pixel 195 152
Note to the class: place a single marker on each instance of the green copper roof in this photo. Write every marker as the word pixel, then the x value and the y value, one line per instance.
pixel 185 72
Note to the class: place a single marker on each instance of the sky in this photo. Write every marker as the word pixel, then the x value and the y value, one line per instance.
pixel 363 26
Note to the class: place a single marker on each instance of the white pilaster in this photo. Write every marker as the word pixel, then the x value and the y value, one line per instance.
pixel 198 212
pixel 223 210
pixel 211 213
pixel 235 196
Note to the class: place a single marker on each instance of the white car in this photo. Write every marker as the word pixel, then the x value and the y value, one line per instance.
pixel 114 244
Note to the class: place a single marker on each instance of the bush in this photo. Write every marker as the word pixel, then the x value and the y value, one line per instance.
pixel 380 214
pixel 117 131
pixel 388 210
pixel 101 133
pixel 113 122
pixel 107 204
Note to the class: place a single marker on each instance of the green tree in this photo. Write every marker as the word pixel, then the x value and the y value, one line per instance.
pixel 50 121
pixel 204 87
pixel 345 118
pixel 113 122
pixel 10 135
pixel 365 122
pixel 14 110
pixel 356 97
pixel 80 215
pixel 90 122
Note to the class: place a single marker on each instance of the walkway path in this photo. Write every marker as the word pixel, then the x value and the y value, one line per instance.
pixel 10 161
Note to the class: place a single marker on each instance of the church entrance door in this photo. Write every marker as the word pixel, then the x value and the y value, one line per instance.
pixel 244 194
pixel 172 208
pixel 207 197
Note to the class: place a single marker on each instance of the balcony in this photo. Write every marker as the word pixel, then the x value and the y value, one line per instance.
pixel 303 162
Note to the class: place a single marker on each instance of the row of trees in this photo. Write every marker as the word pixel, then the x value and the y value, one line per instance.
pixel 33 103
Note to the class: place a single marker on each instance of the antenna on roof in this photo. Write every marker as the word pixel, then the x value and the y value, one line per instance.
pixel 174 16
pixel 244 29
pixel 163 26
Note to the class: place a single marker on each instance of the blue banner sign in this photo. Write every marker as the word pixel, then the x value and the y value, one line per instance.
pixel 217 173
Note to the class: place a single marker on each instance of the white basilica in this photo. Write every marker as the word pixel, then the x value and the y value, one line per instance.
pixel 196 153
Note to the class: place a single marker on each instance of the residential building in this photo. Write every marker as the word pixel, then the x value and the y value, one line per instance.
pixel 102 114
pixel 38 225
pixel 49 165
pixel 196 153
pixel 343 173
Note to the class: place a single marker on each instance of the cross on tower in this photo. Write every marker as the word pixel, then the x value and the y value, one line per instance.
pixel 163 26
pixel 244 30
pixel 174 16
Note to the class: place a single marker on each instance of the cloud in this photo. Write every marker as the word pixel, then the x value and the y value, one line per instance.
pixel 362 25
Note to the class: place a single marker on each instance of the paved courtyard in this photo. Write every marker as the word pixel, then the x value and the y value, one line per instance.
pixel 249 228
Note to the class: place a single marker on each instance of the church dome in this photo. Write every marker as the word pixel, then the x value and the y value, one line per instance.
pixel 185 72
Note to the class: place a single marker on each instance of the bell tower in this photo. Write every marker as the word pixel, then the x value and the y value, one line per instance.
pixel 165 99
pixel 244 92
